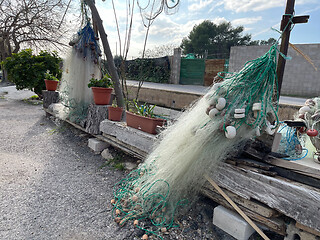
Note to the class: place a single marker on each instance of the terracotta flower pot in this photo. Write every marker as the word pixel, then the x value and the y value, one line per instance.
pixel 145 124
pixel 114 113
pixel 101 96
pixel 51 85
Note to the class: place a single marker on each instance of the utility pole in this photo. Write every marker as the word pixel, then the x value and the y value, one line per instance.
pixel 286 23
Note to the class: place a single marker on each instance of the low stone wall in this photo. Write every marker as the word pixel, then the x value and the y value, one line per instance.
pixel 182 100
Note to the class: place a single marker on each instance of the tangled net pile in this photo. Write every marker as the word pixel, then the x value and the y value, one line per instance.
pixel 231 112
pixel 310 115
pixel 292 143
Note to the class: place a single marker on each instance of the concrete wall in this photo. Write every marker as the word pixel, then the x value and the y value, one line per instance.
pixel 300 78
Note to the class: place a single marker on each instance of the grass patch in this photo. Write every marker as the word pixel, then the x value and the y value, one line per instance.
pixel 34 100
pixel 116 162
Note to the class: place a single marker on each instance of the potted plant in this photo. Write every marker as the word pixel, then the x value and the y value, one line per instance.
pixel 101 89
pixel 51 81
pixel 115 112
pixel 143 118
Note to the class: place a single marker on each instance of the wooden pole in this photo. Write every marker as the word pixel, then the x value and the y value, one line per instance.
pixel 286 26
pixel 252 224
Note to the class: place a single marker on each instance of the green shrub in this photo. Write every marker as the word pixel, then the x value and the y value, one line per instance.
pixel 26 70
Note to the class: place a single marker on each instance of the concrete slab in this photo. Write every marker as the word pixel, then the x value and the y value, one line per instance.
pixel 128 136
pixel 232 223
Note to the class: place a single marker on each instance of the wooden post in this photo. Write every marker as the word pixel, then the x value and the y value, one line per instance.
pixel 284 41
pixel 286 28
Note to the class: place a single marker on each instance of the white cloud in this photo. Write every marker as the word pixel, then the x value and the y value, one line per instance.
pixel 246 21
pixel 200 5
pixel 258 5
pixel 219 20
pixel 252 5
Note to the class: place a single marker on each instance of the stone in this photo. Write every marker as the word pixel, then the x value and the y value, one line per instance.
pixel 96 114
pixel 130 165
pixel 49 97
pixel 97 145
pixel 232 223
pixel 106 154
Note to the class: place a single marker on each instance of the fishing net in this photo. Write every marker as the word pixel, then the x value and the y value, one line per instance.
pixel 230 113
pixel 310 115
pixel 292 143
pixel 81 64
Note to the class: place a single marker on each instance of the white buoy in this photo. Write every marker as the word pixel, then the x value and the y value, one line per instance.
pixel 216 86
pixel 304 109
pixel 221 103
pixel 239 115
pixel 213 112
pixel 256 107
pixel 212 101
pixel 270 129
pixel 239 110
pixel 231 132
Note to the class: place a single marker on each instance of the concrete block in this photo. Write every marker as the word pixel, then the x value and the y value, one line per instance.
pixel 232 223
pixel 97 145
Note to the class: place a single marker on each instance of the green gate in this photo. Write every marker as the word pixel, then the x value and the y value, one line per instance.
pixel 192 71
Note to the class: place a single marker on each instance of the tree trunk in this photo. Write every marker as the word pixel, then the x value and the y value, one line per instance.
pixel 107 51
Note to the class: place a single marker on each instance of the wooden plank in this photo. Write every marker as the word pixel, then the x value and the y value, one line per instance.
pixel 253 206
pixel 307 229
pixel 301 178
pixel 235 206
pixel 312 172
pixel 275 224
pixel 294 200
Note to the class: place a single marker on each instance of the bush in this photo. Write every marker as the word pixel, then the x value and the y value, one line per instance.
pixel 26 70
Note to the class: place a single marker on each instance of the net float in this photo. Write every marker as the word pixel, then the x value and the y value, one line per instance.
pixel 256 107
pixel 239 115
pixel 239 110
pixel 213 112
pixel 221 103
pixel 231 132
pixel 312 132
pixel 304 109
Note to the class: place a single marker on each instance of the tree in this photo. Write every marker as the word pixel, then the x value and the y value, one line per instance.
pixel 270 41
pixel 36 23
pixel 216 39
pixel 26 70
pixel 160 51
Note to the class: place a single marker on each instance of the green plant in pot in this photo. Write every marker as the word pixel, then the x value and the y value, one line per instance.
pixel 51 81
pixel 115 112
pixel 101 89
pixel 143 118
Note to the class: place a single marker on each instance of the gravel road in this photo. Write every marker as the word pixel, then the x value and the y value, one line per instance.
pixel 51 184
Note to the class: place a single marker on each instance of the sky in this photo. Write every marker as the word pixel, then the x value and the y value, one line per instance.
pixel 258 17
